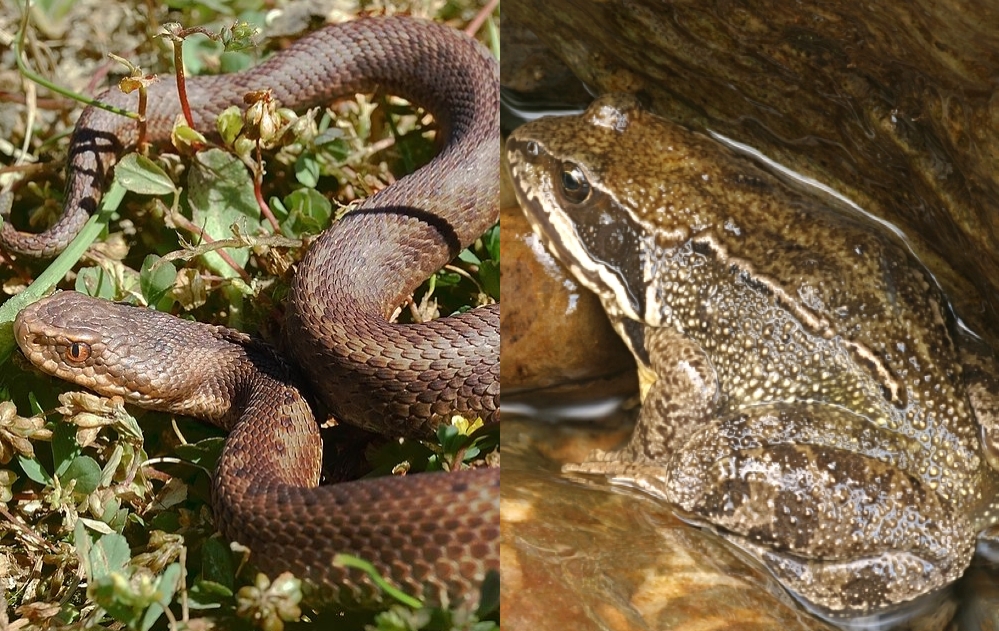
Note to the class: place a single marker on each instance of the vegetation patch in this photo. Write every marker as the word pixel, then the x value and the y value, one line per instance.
pixel 106 518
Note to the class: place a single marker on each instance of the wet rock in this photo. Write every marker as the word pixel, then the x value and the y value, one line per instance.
pixel 590 557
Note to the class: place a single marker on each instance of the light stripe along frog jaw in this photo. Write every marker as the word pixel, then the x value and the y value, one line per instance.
pixel 602 241
pixel 592 235
pixel 582 226
pixel 581 222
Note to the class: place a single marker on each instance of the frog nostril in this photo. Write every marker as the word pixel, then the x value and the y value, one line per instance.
pixel 532 148
pixel 575 186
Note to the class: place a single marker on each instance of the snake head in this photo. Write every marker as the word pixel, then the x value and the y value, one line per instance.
pixel 152 359
pixel 61 336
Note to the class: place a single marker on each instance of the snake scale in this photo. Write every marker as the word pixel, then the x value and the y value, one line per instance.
pixel 434 535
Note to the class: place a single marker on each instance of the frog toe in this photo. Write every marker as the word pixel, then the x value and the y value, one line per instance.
pixel 621 468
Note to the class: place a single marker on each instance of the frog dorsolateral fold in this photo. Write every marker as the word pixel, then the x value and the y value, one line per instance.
pixel 805 387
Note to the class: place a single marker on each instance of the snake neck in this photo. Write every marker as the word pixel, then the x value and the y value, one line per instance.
pixel 273 439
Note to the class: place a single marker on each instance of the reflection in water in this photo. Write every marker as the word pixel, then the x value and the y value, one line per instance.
pixel 593 410
pixel 593 557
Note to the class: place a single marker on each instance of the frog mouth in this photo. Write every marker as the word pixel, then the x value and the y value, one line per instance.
pixel 551 237
pixel 544 228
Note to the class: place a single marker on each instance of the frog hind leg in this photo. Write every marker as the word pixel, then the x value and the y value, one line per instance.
pixel 837 589
pixel 845 531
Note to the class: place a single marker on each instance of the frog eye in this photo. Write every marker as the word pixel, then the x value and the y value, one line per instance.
pixel 575 186
pixel 78 352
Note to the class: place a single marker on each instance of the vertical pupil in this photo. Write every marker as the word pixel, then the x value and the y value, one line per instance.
pixel 74 350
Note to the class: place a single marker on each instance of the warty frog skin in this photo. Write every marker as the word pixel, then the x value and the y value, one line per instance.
pixel 805 388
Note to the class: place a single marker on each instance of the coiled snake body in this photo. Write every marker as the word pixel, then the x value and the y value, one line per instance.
pixel 435 535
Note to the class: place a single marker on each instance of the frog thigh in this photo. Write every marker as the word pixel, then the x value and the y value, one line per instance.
pixel 841 528
pixel 852 587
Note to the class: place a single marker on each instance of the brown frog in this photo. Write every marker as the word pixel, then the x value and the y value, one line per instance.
pixel 807 389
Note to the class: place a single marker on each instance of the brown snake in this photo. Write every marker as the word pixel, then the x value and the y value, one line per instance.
pixel 434 535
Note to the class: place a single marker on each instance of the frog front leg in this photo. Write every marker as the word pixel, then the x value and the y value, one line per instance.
pixel 681 400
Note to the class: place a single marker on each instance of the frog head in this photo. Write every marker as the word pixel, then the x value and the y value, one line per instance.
pixel 558 164
pixel 596 184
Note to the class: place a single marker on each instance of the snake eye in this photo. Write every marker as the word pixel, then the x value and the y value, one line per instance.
pixel 575 186
pixel 78 352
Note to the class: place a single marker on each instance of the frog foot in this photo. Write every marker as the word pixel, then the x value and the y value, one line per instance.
pixel 622 468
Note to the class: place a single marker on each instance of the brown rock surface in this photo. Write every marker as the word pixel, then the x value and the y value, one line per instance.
pixel 581 557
